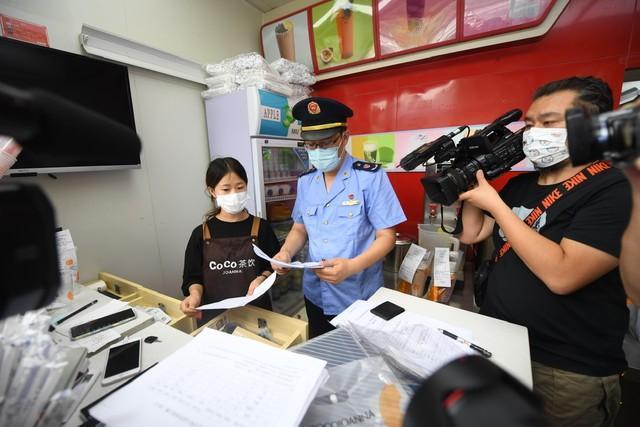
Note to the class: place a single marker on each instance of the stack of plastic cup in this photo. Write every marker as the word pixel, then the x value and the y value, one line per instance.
pixel 9 150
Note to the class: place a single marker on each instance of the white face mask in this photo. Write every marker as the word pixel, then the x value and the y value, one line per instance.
pixel 545 146
pixel 233 203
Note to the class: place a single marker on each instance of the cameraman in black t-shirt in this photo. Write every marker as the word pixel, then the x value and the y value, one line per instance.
pixel 557 234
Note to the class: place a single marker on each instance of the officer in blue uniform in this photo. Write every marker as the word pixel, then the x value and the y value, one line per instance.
pixel 346 209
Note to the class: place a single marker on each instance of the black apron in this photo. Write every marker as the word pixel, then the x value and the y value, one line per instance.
pixel 230 265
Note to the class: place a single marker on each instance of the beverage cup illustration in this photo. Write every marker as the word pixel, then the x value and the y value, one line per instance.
pixel 286 44
pixel 415 15
pixel 370 150
pixel 344 23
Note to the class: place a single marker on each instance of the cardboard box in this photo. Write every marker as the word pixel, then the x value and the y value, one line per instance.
pixel 137 295
pixel 286 331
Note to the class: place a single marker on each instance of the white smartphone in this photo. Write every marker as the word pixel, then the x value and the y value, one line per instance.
pixel 124 360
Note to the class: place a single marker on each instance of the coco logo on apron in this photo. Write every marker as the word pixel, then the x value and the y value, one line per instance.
pixel 231 267
pixel 229 264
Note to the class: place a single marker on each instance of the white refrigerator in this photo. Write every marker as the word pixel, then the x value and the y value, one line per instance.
pixel 256 127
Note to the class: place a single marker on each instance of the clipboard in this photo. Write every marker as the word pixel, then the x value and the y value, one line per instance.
pixel 91 421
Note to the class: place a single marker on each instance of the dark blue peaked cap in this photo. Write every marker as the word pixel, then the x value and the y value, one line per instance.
pixel 321 117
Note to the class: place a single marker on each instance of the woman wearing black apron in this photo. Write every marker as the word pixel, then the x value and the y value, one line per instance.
pixel 219 260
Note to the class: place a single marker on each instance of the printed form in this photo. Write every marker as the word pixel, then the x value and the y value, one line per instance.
pixel 218 380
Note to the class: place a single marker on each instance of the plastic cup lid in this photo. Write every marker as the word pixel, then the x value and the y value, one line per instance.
pixel 402 240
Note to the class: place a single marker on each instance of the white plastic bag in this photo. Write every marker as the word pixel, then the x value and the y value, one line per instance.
pixel 364 392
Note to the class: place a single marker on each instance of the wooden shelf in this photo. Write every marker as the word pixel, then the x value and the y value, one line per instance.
pixel 279 180
pixel 270 199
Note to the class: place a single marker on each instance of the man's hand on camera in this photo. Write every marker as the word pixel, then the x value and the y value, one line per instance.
pixel 483 195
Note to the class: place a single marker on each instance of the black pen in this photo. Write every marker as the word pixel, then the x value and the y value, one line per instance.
pixel 475 347
pixel 70 315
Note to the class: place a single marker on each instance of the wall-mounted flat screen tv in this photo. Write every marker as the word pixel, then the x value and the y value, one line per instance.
pixel 98 85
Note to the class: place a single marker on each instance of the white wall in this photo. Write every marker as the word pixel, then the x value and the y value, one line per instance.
pixel 136 223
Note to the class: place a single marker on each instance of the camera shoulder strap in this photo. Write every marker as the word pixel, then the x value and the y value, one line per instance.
pixel 554 195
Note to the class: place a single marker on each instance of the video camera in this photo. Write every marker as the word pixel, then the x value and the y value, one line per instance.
pixel 494 150
pixel 614 135
pixel 472 391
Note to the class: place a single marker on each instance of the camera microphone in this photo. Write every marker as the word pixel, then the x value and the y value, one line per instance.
pixel 503 120
pixel 426 151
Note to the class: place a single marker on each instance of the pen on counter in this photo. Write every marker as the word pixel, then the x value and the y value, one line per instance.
pixel 482 351
pixel 70 315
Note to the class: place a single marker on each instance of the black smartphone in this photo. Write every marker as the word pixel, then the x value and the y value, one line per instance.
pixel 387 310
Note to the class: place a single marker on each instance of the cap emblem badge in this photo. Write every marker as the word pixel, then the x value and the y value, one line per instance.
pixel 313 108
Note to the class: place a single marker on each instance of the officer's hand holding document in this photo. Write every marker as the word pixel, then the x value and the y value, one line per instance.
pixel 294 264
pixel 241 301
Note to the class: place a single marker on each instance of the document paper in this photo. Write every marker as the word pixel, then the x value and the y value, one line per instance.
pixel 411 262
pixel 294 264
pixel 441 268
pixel 359 313
pixel 241 301
pixel 218 380
pixel 414 340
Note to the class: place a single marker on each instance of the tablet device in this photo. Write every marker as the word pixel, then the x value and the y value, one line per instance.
pixel 123 361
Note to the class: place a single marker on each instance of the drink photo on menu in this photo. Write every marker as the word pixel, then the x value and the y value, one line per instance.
pixel 342 32
pixel 409 24
pixel 288 38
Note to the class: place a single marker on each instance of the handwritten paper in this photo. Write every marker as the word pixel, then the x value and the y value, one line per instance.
pixel 294 264
pixel 218 379
pixel 241 301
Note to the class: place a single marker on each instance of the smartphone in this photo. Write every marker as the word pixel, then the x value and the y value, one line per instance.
pixel 387 310
pixel 123 361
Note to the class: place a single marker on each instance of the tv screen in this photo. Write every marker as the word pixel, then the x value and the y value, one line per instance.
pixel 95 84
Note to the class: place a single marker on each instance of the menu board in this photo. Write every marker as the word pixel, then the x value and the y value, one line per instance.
pixel 335 34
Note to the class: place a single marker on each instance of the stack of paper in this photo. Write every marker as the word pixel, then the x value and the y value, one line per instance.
pixel 218 380
pixel 412 340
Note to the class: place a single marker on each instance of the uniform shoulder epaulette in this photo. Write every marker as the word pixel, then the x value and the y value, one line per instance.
pixel 365 166
pixel 307 172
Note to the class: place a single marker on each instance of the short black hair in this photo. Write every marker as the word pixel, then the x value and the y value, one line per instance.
pixel 593 94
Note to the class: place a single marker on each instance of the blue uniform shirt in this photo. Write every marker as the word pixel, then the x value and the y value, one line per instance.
pixel 342 224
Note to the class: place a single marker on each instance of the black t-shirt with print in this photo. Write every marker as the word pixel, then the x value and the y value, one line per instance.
pixel 581 332
pixel 267 241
